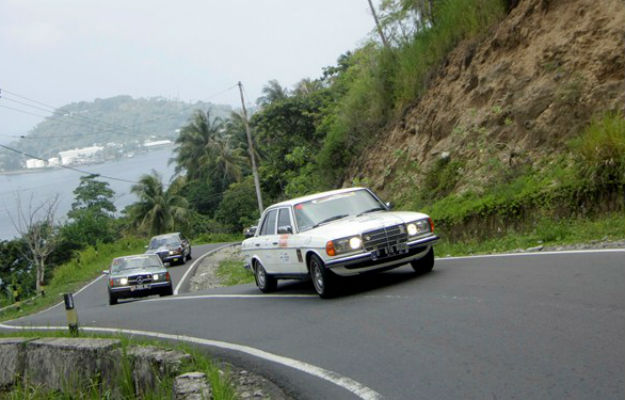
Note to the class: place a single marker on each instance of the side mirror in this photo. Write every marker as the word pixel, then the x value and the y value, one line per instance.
pixel 389 205
pixel 249 232
pixel 285 229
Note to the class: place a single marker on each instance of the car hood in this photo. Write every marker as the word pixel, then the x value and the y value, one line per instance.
pixel 367 222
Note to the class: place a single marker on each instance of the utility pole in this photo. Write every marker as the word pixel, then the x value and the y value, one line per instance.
pixel 377 25
pixel 250 149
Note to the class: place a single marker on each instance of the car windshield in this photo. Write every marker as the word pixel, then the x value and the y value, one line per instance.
pixel 160 242
pixel 127 263
pixel 313 213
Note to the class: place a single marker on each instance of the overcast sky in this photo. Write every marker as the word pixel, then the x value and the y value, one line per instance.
pixel 63 51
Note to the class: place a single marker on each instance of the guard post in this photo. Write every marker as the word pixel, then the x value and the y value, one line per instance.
pixel 72 316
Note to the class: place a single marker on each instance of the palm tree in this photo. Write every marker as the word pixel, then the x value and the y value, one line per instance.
pixel 194 144
pixel 307 86
pixel 158 210
pixel 272 92
pixel 228 161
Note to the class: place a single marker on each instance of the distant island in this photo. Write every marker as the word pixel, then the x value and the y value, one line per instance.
pixel 101 130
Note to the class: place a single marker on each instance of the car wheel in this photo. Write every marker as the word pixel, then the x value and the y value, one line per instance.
pixel 189 255
pixel 323 280
pixel 265 282
pixel 425 263
pixel 112 299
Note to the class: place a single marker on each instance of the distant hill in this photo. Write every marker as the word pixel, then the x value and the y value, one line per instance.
pixel 123 120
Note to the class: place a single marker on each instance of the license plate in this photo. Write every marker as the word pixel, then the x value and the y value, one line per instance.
pixel 138 287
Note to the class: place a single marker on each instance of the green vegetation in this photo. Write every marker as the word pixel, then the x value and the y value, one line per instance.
pixel 231 273
pixel 222 387
pixel 545 232
pixel 84 266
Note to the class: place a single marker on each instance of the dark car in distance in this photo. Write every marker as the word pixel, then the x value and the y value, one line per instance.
pixel 170 247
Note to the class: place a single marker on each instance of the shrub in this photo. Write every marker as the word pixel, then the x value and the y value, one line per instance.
pixel 600 151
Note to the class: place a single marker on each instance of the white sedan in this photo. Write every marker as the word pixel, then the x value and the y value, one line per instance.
pixel 343 232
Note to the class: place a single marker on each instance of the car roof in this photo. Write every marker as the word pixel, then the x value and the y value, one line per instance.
pixel 135 256
pixel 166 235
pixel 302 199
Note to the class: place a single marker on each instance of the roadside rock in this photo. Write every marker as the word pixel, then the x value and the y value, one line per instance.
pixel 205 276
pixel 192 386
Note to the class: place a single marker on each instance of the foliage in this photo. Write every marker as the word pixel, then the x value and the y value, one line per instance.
pixel 84 266
pixel 600 151
pixel 239 207
pixel 287 138
pixel 15 271
pixel 231 272
pixel 441 178
pixel 91 216
pixel 544 232
pixel 158 210
pixel 219 380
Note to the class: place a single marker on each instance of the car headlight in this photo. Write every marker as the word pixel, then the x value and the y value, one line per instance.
pixel 120 282
pixel 419 227
pixel 344 245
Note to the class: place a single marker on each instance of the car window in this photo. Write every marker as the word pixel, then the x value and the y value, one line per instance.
pixel 148 261
pixel 318 211
pixel 284 217
pixel 269 224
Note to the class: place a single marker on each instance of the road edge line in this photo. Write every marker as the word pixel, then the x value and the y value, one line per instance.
pixel 335 378
pixel 536 253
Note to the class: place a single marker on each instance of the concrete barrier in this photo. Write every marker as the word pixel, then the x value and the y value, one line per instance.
pixel 72 365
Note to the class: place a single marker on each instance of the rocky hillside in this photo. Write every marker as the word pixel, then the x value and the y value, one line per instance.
pixel 510 98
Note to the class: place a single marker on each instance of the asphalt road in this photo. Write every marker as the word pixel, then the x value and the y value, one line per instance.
pixel 544 326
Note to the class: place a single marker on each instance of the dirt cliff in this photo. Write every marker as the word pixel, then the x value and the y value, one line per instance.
pixel 509 98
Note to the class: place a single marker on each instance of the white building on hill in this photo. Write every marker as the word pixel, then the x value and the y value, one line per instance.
pixel 77 156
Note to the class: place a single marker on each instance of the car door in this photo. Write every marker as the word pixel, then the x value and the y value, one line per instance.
pixel 285 243
pixel 264 247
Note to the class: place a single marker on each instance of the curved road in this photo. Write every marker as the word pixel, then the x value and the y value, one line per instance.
pixel 532 326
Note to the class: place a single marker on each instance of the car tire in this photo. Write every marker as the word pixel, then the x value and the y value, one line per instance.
pixel 425 264
pixel 265 282
pixel 324 280
pixel 112 299
pixel 168 292
pixel 189 255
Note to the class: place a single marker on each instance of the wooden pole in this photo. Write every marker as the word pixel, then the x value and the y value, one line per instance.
pixel 250 149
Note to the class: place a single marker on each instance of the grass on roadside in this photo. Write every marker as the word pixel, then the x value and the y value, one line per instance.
pixel 231 272
pixel 220 381
pixel 547 232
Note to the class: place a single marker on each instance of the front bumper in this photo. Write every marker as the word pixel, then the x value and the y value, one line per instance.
pixel 148 289
pixel 368 261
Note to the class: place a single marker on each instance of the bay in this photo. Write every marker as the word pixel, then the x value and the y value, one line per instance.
pixel 37 187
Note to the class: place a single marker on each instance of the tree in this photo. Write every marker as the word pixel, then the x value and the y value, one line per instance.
pixel 272 92
pixel 91 216
pixel 194 144
pixel 36 225
pixel 158 210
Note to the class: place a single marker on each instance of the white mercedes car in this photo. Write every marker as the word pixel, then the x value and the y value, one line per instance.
pixel 343 232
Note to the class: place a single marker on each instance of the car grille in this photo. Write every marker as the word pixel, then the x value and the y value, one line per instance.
pixel 386 241
pixel 139 279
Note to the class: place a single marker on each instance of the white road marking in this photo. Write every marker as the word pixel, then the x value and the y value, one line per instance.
pixel 537 253
pixel 346 383
pixel 235 296
pixel 192 267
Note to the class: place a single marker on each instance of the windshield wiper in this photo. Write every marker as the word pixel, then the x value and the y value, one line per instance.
pixel 334 218
pixel 371 210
